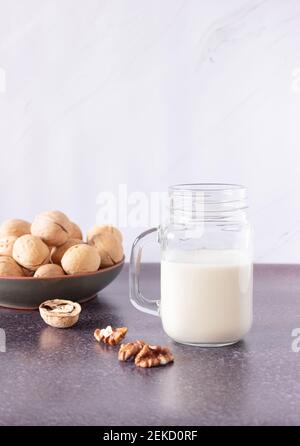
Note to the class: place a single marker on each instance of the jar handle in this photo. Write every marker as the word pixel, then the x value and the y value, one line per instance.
pixel 137 299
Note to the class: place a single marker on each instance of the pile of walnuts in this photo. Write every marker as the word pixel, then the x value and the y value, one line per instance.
pixel 53 246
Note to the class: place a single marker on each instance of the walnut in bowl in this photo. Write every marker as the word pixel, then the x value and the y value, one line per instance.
pixel 103 230
pixel 81 259
pixel 58 252
pixel 10 268
pixel 14 227
pixel 7 244
pixel 30 252
pixel 53 227
pixel 109 248
pixel 49 270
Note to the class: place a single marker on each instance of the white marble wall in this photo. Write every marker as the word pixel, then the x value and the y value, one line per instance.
pixel 97 93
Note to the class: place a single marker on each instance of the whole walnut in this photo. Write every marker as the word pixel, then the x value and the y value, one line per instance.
pixel 109 248
pixel 81 259
pixel 6 245
pixel 14 227
pixel 49 270
pixel 53 227
pixel 10 268
pixel 104 229
pixel 57 253
pixel 30 252
pixel 75 231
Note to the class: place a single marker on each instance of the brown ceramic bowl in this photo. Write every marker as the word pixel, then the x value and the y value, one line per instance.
pixel 29 292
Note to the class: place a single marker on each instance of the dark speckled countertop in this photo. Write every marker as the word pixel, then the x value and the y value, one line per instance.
pixel 63 377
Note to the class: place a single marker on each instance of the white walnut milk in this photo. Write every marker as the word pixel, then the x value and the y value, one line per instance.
pixel 206 296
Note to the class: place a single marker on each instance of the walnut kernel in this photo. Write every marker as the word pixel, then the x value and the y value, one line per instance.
pixel 109 335
pixel 152 356
pixel 130 350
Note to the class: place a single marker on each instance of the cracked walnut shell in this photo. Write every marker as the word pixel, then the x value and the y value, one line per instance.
pixel 60 313
pixel 153 356
pixel 53 227
pixel 81 259
pixel 10 268
pixel 30 252
pixel 130 350
pixel 109 335
pixel 14 227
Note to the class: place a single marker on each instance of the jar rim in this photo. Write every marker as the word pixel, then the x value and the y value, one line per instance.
pixel 206 187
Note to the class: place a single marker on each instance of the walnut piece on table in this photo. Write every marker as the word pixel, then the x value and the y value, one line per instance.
pixel 109 335
pixel 153 355
pixel 130 350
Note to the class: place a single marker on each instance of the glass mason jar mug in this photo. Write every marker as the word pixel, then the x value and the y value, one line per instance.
pixel 206 266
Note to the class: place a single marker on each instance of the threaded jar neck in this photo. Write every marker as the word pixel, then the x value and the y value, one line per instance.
pixel 207 202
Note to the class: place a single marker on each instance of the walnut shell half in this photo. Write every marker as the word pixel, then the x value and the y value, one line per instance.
pixel 60 313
